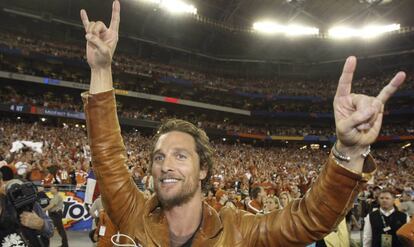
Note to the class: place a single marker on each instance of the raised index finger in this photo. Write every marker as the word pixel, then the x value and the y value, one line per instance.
pixel 345 81
pixel 116 9
pixel 85 19
pixel 390 89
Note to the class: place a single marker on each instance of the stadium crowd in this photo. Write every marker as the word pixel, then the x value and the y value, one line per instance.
pixel 283 173
pixel 133 65
pixel 69 102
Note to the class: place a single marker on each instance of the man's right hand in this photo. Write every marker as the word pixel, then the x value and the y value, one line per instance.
pixel 101 41
pixel 100 48
pixel 32 221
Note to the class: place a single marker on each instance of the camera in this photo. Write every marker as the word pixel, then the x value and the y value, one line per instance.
pixel 22 196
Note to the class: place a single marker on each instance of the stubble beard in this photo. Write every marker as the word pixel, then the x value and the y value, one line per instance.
pixel 186 193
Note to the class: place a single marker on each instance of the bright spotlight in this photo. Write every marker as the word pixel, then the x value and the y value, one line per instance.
pixel 174 6
pixel 177 6
pixel 365 32
pixel 267 27
pixel 295 30
pixel 43 119
pixel 270 27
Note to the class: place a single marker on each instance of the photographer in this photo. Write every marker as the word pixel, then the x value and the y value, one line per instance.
pixel 55 209
pixel 25 229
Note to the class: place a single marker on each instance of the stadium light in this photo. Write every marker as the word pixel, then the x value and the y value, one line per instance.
pixel 177 6
pixel 365 32
pixel 174 6
pixel 297 30
pixel 270 27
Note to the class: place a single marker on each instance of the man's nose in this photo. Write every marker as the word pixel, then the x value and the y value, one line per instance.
pixel 167 164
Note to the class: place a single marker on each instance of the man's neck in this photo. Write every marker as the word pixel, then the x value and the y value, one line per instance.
pixel 387 211
pixel 184 220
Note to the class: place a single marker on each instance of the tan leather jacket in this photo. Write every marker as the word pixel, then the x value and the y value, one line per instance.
pixel 300 223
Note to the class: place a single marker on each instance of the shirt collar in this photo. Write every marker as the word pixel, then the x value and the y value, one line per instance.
pixel 387 213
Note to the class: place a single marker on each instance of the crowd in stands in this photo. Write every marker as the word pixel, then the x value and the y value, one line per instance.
pixel 129 64
pixel 68 102
pixel 281 173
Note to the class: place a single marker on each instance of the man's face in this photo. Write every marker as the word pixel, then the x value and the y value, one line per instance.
pixel 176 169
pixel 294 188
pixel 386 201
pixel 53 190
pixel 232 195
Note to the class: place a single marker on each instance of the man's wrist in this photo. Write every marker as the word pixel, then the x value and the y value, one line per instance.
pixel 101 80
pixel 351 157
pixel 351 151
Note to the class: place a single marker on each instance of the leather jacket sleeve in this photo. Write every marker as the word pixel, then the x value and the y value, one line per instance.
pixel 121 197
pixel 312 217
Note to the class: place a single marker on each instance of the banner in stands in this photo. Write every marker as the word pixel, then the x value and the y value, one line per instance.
pixel 76 215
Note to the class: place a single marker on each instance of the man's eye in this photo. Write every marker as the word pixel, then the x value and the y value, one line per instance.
pixel 158 157
pixel 181 156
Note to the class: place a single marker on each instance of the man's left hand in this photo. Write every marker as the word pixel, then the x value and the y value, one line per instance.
pixel 358 117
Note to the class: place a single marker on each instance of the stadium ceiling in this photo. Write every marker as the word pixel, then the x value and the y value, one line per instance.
pixel 219 28
pixel 243 13
pixel 320 13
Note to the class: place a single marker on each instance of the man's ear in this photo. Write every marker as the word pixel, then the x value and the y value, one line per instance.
pixel 203 174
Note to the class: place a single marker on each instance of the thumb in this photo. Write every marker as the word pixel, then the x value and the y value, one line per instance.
pixel 96 42
pixel 358 117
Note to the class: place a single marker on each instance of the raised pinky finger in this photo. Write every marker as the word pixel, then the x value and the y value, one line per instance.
pixel 392 87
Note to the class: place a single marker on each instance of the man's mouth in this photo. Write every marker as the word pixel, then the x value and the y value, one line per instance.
pixel 169 180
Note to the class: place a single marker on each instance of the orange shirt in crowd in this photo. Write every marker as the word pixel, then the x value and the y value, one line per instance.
pixel 48 179
pixel 81 176
pixel 36 175
pixel 219 194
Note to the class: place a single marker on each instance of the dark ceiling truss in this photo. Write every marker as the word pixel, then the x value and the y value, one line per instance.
pixel 299 7
pixel 226 16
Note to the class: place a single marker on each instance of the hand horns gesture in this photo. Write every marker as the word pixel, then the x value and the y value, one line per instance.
pixel 358 117
pixel 101 41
